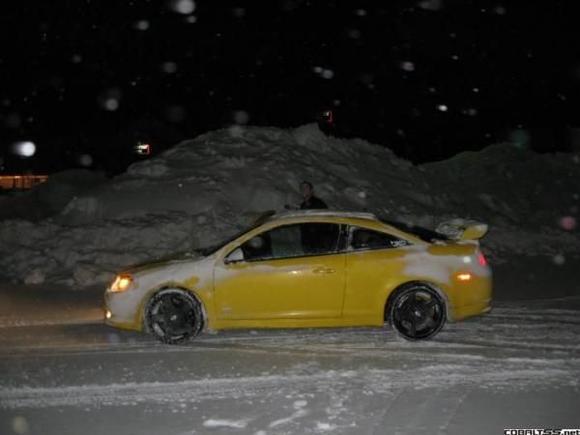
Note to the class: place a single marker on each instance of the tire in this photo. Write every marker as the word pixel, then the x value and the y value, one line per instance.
pixel 174 316
pixel 417 312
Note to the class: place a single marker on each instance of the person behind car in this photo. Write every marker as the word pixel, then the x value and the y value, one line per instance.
pixel 310 201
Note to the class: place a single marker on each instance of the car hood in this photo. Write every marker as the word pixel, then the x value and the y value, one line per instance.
pixel 182 257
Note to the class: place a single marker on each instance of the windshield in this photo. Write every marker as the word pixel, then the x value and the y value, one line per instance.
pixel 208 250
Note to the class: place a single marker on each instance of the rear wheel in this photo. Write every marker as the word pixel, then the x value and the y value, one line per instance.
pixel 174 315
pixel 417 312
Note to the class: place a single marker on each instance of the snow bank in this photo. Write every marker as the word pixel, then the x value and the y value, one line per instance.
pixel 202 190
pixel 51 197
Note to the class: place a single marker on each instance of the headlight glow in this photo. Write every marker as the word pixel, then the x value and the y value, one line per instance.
pixel 121 283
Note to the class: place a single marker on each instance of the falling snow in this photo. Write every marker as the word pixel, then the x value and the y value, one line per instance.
pixel 182 6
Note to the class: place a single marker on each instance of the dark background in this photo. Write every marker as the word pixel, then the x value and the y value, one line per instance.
pixel 95 77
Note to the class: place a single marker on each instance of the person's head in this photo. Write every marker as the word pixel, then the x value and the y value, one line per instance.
pixel 307 189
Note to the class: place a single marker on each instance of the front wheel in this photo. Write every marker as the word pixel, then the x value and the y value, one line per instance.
pixel 173 316
pixel 417 312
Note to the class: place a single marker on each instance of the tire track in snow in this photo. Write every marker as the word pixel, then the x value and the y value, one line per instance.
pixel 379 380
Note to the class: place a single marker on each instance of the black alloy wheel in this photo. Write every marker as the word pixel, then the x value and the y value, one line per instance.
pixel 174 316
pixel 417 312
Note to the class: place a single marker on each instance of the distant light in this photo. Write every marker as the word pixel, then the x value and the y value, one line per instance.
pixel 328 116
pixel 24 148
pixel 108 314
pixel 327 74
pixel 568 223
pixel 442 108
pixel 430 5
pixel 500 10
pixel 464 276
pixel 185 7
pixel 142 25
pixel 111 104
pixel 110 99
pixel 143 149
pixel 169 67
pixel 323 72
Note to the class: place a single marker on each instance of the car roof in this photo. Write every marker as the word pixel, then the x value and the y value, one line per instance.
pixel 322 213
pixel 365 219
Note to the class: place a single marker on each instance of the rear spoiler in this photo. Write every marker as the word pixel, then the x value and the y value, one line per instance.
pixel 462 229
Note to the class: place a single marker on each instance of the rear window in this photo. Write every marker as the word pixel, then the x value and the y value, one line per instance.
pixel 365 239
pixel 424 234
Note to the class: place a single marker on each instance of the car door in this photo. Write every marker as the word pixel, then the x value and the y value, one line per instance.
pixel 289 272
pixel 375 260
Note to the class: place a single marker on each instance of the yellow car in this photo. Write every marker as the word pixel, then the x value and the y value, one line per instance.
pixel 314 268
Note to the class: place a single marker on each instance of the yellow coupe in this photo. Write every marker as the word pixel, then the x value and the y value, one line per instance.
pixel 305 269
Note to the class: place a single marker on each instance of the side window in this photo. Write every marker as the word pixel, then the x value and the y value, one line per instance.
pixel 368 239
pixel 293 241
pixel 319 238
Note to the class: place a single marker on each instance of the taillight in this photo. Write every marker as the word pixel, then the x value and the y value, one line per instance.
pixel 481 259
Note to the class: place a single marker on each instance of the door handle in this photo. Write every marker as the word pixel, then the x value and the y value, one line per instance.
pixel 324 270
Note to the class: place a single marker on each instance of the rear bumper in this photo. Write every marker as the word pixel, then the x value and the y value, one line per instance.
pixel 472 299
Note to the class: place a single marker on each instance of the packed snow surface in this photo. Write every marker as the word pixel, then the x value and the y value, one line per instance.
pixel 515 367
pixel 205 189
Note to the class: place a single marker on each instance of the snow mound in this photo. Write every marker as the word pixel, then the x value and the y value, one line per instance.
pixel 204 189
pixel 51 197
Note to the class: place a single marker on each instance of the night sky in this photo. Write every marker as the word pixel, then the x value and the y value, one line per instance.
pixel 87 80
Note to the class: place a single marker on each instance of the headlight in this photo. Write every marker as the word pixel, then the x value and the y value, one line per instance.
pixel 121 283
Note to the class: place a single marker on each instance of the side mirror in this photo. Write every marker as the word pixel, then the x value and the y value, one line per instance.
pixel 235 256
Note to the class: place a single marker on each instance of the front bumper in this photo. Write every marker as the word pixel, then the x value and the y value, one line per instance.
pixel 123 310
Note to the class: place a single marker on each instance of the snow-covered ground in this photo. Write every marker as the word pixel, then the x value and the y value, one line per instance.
pixel 203 190
pixel 516 367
